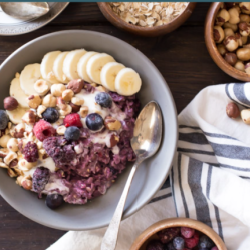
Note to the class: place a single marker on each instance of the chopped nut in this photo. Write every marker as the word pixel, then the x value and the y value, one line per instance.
pixel 84 111
pixel 114 139
pixel 12 144
pixel 26 166
pixel 61 130
pixel 4 140
pixel 19 129
pixel 40 110
pixel 3 165
pixel 111 123
pixel 74 107
pixel 78 149
pixel 75 85
pixel 4 152
pixel 10 157
pixel 67 95
pixel 77 101
pixel 67 110
pixel 49 101
pixel 11 173
pixel 101 89
pixel 42 154
pixel 57 89
pixel 27 184
pixel 39 144
pixel 29 117
pixel 13 163
pixel 34 101
pixel 41 87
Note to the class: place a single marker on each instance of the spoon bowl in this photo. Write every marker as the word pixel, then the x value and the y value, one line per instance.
pixel 25 10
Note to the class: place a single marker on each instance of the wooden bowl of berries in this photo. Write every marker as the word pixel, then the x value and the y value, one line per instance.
pixel 227 31
pixel 179 234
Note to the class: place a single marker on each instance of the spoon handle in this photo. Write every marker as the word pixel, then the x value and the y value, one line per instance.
pixel 110 237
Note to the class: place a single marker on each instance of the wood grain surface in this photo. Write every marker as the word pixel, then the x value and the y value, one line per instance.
pixel 180 56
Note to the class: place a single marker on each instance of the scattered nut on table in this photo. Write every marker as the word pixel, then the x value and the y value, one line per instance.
pixel 232 110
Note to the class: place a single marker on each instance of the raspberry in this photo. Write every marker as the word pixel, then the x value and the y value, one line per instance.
pixel 187 232
pixel 43 130
pixel 72 120
pixel 192 242
pixel 168 234
pixel 40 179
pixel 30 152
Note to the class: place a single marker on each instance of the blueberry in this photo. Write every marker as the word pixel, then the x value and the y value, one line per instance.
pixel 94 122
pixel 4 119
pixel 178 243
pixel 103 99
pixel 54 201
pixel 205 242
pixel 50 115
pixel 72 133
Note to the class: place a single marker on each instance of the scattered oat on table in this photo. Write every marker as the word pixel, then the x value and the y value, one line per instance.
pixel 148 14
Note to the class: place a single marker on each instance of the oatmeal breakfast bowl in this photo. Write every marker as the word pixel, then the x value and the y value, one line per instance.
pixel 69 103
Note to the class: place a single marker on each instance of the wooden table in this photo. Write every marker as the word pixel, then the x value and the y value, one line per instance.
pixel 181 57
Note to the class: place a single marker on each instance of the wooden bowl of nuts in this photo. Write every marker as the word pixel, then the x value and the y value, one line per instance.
pixel 227 30
pixel 147 19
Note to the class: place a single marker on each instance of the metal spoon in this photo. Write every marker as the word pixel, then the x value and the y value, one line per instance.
pixel 25 10
pixel 145 143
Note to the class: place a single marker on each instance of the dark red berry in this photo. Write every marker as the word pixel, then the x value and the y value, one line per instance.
pixel 192 242
pixel 40 179
pixel 43 130
pixel 168 234
pixel 155 245
pixel 187 232
pixel 30 152
pixel 72 120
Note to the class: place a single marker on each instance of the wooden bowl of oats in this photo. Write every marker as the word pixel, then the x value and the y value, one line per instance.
pixel 147 19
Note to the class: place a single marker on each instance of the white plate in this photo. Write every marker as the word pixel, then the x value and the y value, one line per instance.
pixel 10 26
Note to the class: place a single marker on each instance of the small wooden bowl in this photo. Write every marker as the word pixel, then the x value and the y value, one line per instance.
pixel 146 31
pixel 149 234
pixel 212 49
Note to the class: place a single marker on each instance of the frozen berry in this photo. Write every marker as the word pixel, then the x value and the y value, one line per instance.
pixel 4 119
pixel 178 243
pixel 72 133
pixel 43 130
pixel 205 242
pixel 40 179
pixel 94 122
pixel 192 242
pixel 103 99
pixel 187 232
pixel 168 234
pixel 50 115
pixel 214 248
pixel 170 246
pixel 155 245
pixel 30 152
pixel 53 201
pixel 72 120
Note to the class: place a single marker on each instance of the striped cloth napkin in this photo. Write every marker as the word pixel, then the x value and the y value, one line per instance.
pixel 209 178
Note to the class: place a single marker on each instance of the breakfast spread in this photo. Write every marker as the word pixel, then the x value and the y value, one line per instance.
pixel 231 32
pixel 181 238
pixel 148 14
pixel 67 125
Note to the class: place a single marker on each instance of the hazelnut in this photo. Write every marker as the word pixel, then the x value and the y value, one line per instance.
pixel 41 87
pixel 240 66
pixel 228 32
pixel 74 107
pixel 49 101
pixel 218 34
pixel 114 139
pixel 51 76
pixel 229 5
pixel 76 85
pixel 222 17
pixel 26 166
pixel 244 39
pixel 234 27
pixel 10 157
pixel 78 149
pixel 42 154
pixel 239 39
pixel 111 123
pixel 57 89
pixel 234 15
pixel 245 116
pixel 231 43
pixel 60 103
pixel 244 18
pixel 3 165
pixel 13 163
pixel 231 58
pixel 67 110
pixel 77 101
pixel 11 173
pixel 101 89
pixel 222 49
pixel 12 144
pixel 61 130
pixel 19 130
pixel 4 140
pixel 27 184
pixel 243 54
pixel 247 68
pixel 4 152
pixel 40 110
pixel 34 101
pixel 245 7
pixel 29 117
pixel 244 29
pixel 84 111
pixel 10 103
pixel 67 95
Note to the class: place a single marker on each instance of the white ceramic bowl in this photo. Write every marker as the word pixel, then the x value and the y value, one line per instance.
pixel 151 174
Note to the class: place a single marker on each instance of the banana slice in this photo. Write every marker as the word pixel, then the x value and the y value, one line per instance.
pixel 95 65
pixel 17 93
pixel 81 66
pixel 16 115
pixel 47 66
pixel 127 82
pixel 58 67
pixel 30 74
pixel 70 63
pixel 109 73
